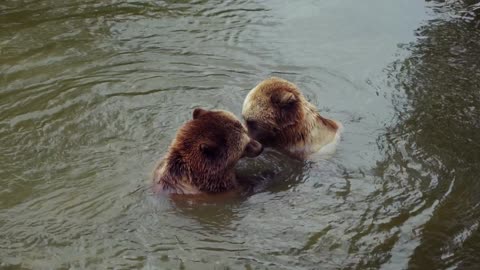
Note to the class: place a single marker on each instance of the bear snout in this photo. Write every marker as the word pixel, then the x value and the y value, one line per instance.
pixel 253 149
pixel 259 131
pixel 255 131
pixel 251 124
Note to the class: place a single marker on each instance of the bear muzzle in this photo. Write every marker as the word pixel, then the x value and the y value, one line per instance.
pixel 260 132
pixel 253 149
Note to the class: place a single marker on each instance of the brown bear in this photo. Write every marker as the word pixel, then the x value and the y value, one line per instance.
pixel 278 115
pixel 202 156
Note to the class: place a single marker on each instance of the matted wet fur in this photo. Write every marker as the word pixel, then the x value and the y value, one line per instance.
pixel 202 156
pixel 278 115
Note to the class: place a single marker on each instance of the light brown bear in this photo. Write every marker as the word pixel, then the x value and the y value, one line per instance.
pixel 202 156
pixel 278 115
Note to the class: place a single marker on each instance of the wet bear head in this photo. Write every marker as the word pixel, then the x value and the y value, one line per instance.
pixel 272 107
pixel 213 141
pixel 203 154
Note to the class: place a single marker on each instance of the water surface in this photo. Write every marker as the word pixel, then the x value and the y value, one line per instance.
pixel 92 92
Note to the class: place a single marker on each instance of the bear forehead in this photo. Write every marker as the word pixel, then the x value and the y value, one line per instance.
pixel 215 125
pixel 223 119
pixel 273 86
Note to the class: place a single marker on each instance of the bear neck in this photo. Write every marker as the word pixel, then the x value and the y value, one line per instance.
pixel 177 175
pixel 310 134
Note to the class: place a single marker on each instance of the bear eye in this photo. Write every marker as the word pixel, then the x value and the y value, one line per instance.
pixel 288 105
pixel 208 149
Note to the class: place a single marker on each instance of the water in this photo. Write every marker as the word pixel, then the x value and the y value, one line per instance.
pixel 92 92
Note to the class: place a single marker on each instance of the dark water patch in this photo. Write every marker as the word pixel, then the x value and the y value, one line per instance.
pixel 433 144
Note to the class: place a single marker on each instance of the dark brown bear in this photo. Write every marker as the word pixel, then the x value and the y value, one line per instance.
pixel 202 157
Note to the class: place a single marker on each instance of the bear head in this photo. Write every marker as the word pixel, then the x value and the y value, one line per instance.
pixel 272 108
pixel 206 149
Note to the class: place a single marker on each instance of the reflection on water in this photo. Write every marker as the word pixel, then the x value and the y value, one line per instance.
pixel 91 93
pixel 435 143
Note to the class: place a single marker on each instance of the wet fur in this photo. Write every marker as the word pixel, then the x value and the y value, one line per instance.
pixel 282 118
pixel 202 156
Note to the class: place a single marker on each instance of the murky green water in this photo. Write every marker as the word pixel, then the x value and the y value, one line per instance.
pixel 92 92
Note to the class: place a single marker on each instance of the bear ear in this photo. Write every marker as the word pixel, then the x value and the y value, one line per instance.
pixel 208 148
pixel 198 112
pixel 283 98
